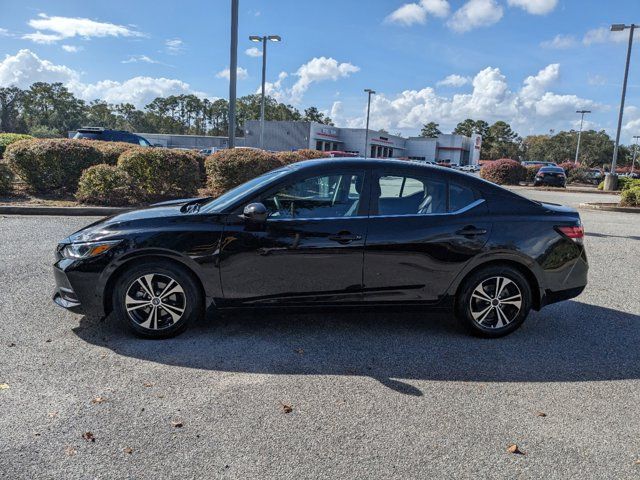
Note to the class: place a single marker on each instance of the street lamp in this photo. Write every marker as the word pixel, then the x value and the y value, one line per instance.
pixel 366 135
pixel 582 112
pixel 611 180
pixel 263 39
pixel 635 152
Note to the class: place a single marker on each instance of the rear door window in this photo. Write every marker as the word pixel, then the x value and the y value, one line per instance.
pixel 408 195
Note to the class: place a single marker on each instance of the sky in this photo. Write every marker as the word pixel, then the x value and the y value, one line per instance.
pixel 532 63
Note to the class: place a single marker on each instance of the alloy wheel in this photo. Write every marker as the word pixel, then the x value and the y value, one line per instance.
pixel 155 301
pixel 495 302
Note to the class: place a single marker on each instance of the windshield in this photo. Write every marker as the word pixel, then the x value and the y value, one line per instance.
pixel 220 204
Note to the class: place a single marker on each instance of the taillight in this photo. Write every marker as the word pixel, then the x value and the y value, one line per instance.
pixel 575 233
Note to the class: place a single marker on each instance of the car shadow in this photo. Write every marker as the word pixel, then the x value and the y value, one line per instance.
pixel 566 342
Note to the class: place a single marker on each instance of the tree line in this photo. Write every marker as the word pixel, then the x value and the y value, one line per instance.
pixel 501 141
pixel 50 109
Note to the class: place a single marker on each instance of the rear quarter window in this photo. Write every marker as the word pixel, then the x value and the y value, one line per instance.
pixel 460 196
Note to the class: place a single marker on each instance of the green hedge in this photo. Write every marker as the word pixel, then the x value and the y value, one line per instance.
pixel 308 154
pixel 630 197
pixel 503 172
pixel 105 185
pixel 287 158
pixel 111 151
pixel 531 172
pixel 7 139
pixel 624 183
pixel 6 179
pixel 160 173
pixel 229 168
pixel 51 166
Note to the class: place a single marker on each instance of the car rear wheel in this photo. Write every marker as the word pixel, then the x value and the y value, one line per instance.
pixel 156 300
pixel 493 301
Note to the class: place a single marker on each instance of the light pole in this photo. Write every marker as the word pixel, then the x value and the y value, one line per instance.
pixel 366 135
pixel 611 180
pixel 635 152
pixel 582 112
pixel 233 72
pixel 263 39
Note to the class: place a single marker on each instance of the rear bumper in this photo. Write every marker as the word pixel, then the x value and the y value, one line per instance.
pixel 566 283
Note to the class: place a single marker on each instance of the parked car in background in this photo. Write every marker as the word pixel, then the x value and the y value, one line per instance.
pixel 595 176
pixel 329 232
pixel 551 177
pixel 104 134
pixel 470 168
pixel 535 163
pixel 209 151
pixel 339 153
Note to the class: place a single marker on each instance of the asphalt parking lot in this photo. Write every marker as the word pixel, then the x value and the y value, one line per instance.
pixel 388 394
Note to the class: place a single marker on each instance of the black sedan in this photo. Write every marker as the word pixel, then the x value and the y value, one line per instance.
pixel 338 232
pixel 551 177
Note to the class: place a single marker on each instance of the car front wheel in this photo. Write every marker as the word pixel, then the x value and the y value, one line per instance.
pixel 156 300
pixel 493 301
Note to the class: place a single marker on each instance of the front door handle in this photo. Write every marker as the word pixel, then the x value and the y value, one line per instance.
pixel 344 238
pixel 471 231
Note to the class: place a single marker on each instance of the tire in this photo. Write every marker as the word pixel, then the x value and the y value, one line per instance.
pixel 481 313
pixel 157 299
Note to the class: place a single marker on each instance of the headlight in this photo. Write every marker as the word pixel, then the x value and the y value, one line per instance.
pixel 88 249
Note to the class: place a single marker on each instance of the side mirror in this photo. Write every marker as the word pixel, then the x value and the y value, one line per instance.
pixel 255 212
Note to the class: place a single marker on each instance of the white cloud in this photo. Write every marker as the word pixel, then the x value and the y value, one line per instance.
pixel 319 69
pixel 454 80
pixel 604 35
pixel 174 46
pixel 4 32
pixel 535 7
pixel 253 52
pixel 597 80
pixel 140 59
pixel 25 68
pixel 531 108
pixel 71 48
pixel 412 13
pixel 560 42
pixel 632 125
pixel 226 73
pixel 474 14
pixel 274 89
pixel 58 28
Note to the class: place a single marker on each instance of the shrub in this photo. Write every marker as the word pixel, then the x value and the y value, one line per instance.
pixel 51 166
pixel 568 167
pixel 624 183
pixel 105 185
pixel 309 154
pixel 42 131
pixel 630 197
pixel 530 173
pixel 7 139
pixel 6 179
pixel 229 168
pixel 288 158
pixel 503 172
pixel 578 175
pixel 160 173
pixel 110 151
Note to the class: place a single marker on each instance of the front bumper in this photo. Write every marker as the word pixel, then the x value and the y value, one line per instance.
pixel 78 286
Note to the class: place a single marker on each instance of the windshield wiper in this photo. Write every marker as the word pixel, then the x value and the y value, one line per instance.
pixel 194 205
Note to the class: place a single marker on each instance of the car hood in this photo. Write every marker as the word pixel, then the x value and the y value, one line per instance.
pixel 127 222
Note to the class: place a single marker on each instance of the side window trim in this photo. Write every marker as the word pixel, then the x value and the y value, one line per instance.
pixel 465 209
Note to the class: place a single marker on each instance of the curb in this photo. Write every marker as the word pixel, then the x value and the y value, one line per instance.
pixel 610 207
pixel 60 211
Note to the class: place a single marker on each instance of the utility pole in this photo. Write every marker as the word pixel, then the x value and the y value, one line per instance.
pixel 263 39
pixel 366 135
pixel 611 180
pixel 582 112
pixel 233 72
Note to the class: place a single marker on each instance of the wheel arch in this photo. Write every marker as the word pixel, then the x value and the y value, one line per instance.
pixel 523 268
pixel 107 294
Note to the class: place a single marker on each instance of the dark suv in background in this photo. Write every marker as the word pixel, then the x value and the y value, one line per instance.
pixel 99 133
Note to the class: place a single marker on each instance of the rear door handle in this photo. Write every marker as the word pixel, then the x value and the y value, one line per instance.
pixel 344 237
pixel 471 231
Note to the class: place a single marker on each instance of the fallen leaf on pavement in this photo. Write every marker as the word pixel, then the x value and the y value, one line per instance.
pixel 541 414
pixel 70 451
pixel 4 386
pixel 98 400
pixel 53 414
pixel 48 340
pixel 147 384
pixel 177 424
pixel 12 344
pixel 286 408
pixel 513 448
pixel 128 450
pixel 637 462
pixel 88 436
